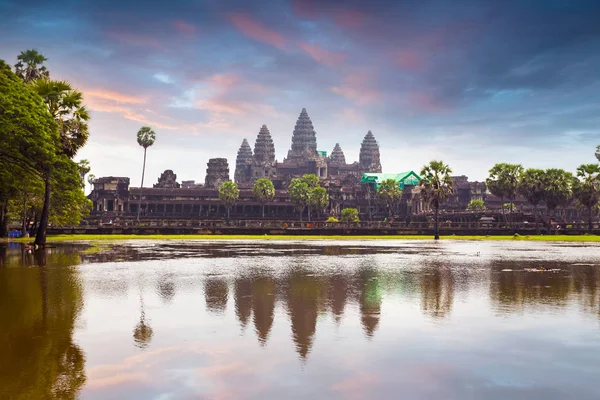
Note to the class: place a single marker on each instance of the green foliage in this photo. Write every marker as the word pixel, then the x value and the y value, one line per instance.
pixel 558 188
pixel 264 191
pixel 146 137
pixel 302 193
pixel 476 205
pixel 318 199
pixel 532 185
pixel 332 219
pixel 504 180
pixel 65 104
pixel 436 186
pixel 350 215
pixel 509 207
pixel 586 188
pixel 229 193
pixel 30 66
pixel 389 194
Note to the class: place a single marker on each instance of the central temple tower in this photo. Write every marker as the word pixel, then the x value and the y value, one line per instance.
pixel 304 140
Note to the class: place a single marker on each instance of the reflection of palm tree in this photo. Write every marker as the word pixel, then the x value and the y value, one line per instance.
pixel 437 291
pixel 369 300
pixel 302 303
pixel 216 293
pixel 142 333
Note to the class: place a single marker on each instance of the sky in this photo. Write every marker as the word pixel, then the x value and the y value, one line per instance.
pixel 471 82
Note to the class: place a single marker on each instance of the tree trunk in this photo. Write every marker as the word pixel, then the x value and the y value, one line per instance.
pixel 437 228
pixel 141 186
pixel 228 213
pixel 503 210
pixel 40 237
pixel 537 225
pixel 308 214
pixel 301 212
pixel 263 211
pixel 24 222
pixel 590 220
pixel 4 219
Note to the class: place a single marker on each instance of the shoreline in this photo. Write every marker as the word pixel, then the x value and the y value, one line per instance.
pixel 117 237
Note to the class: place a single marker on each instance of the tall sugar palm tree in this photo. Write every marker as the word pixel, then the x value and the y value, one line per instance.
pixel 145 138
pixel 436 186
pixel 30 66
pixel 389 193
pixel 264 191
pixel 532 188
pixel 586 189
pixel 228 194
pixel 558 188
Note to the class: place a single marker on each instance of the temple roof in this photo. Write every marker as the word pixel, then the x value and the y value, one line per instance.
pixel 264 149
pixel 304 138
pixel 337 155
pixel 403 178
pixel 244 157
pixel 369 157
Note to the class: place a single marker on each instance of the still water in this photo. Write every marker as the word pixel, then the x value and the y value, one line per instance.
pixel 272 320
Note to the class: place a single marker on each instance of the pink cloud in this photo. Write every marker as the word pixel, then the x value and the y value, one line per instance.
pixel 114 96
pixel 408 60
pixel 254 29
pixel 349 18
pixel 425 101
pixel 226 80
pixel 305 8
pixel 188 30
pixel 132 38
pixel 356 87
pixel 322 56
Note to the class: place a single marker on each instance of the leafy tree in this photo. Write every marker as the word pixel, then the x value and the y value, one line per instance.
pixel 436 186
pixel 84 168
pixel 264 191
pixel 66 106
pixel 318 200
pixel 90 180
pixel 586 189
pixel 300 191
pixel 29 137
pixel 30 66
pixel 532 188
pixel 389 194
pixel 228 194
pixel 350 215
pixel 558 188
pixel 504 182
pixel 476 205
pixel 145 138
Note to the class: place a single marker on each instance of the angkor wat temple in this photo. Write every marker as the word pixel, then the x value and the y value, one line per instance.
pixel 345 183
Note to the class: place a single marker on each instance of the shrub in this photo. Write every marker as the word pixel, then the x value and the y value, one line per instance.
pixel 350 215
pixel 332 219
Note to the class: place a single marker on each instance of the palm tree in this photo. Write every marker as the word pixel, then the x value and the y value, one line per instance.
pixel 65 104
pixel 436 186
pixel 264 191
pixel 318 200
pixel 532 188
pixel 504 182
pixel 389 193
pixel 90 179
pixel 228 194
pixel 145 138
pixel 495 186
pixel 586 189
pixel 29 66
pixel 558 188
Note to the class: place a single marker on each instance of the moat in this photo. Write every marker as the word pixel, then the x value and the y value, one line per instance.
pixel 300 319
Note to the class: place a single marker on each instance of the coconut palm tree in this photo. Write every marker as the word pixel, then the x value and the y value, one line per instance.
pixel 145 138
pixel 558 188
pixel 436 186
pixel 228 194
pixel 29 66
pixel 586 189
pixel 264 191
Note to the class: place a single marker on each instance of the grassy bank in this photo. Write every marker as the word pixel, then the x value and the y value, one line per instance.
pixel 66 238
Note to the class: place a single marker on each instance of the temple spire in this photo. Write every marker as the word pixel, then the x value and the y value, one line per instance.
pixel 264 149
pixel 304 138
pixel 244 158
pixel 369 158
pixel 337 155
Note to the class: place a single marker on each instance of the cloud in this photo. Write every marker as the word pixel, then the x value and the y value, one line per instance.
pixel 188 30
pixel 322 56
pixel 256 30
pixel 113 96
pixel 132 38
pixel 349 18
pixel 356 87
pixel 408 59
pixel 162 77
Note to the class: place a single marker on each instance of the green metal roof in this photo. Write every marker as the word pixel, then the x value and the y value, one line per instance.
pixel 322 152
pixel 403 178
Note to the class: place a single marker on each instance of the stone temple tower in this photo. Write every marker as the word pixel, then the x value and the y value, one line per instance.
pixel 264 148
pixel 217 172
pixel 337 155
pixel 369 158
pixel 243 162
pixel 304 140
